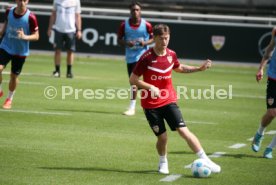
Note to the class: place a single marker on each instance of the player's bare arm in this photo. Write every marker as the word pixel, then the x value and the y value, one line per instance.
pixel 266 56
pixel 190 69
pixel 33 37
pixel 51 22
pixel 78 26
pixel 135 80
pixel 148 42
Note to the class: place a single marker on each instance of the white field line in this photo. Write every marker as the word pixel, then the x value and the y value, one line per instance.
pixel 237 146
pixel 201 122
pixel 50 76
pixel 250 139
pixel 217 154
pixel 271 132
pixel 248 96
pixel 29 74
pixel 28 83
pixel 37 112
pixel 171 178
pixel 188 166
pixel 233 72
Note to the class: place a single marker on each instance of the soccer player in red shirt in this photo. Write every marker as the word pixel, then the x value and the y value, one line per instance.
pixel 158 97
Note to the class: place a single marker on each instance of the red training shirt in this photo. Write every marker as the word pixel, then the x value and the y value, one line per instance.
pixel 157 71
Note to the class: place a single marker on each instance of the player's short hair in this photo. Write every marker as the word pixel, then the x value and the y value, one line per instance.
pixel 134 3
pixel 160 29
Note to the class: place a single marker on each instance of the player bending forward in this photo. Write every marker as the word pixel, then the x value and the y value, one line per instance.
pixel 158 97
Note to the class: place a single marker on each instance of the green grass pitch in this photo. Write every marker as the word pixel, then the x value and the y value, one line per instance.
pixel 79 141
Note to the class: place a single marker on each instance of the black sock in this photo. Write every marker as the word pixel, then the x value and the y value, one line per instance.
pixel 58 68
pixel 69 67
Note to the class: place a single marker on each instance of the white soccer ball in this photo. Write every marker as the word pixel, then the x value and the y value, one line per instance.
pixel 200 169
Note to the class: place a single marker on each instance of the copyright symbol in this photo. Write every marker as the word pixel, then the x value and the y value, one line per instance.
pixel 50 92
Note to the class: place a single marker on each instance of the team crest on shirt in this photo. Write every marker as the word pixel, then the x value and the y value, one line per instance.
pixel 169 59
pixel 218 42
pixel 155 128
pixel 270 101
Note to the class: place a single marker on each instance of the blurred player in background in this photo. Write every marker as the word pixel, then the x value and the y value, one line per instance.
pixel 158 97
pixel 66 23
pixel 135 34
pixel 270 97
pixel 20 27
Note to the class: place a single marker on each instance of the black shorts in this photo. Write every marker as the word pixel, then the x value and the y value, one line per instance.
pixel 65 41
pixel 130 67
pixel 271 94
pixel 170 113
pixel 16 62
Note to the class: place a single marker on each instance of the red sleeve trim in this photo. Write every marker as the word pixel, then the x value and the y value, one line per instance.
pixel 149 29
pixel 33 23
pixel 121 31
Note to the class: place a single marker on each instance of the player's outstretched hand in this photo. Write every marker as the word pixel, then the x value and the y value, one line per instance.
pixel 207 64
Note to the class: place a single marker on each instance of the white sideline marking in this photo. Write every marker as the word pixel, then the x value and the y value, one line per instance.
pixel 238 145
pixel 37 112
pixel 28 83
pixel 217 154
pixel 171 178
pixel 248 96
pixel 202 122
pixel 188 166
pixel 250 139
pixel 271 132
pixel 50 76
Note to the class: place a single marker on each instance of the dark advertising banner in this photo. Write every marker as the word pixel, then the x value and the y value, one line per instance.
pixel 189 40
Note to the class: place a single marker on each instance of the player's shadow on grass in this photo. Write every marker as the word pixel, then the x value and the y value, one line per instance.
pixel 100 169
pixel 238 156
